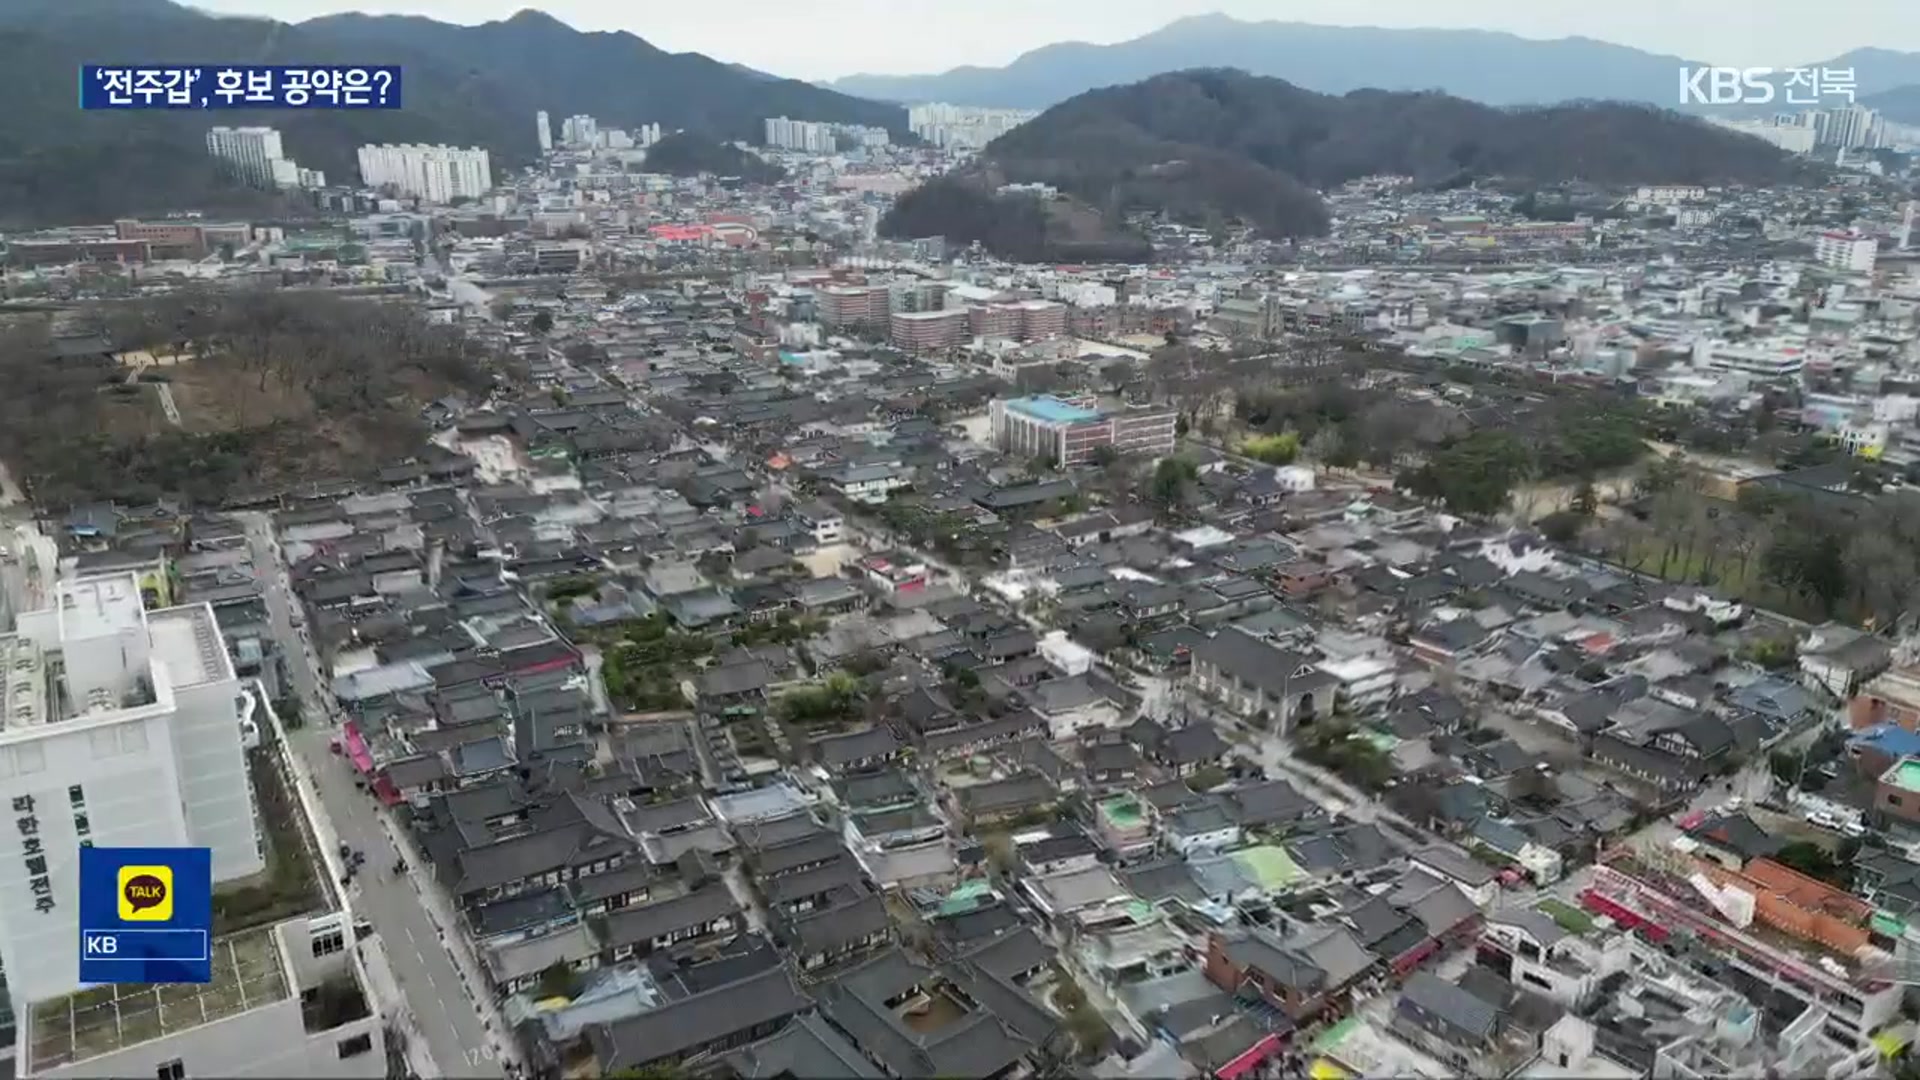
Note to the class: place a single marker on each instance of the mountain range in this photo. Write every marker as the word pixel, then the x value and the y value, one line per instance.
pixel 466 85
pixel 1480 65
pixel 480 86
pixel 1215 146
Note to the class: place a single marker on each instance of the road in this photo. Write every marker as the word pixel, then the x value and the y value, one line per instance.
pixel 406 910
pixel 1277 760
pixel 590 654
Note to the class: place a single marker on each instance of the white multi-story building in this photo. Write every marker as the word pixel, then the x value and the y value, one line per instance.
pixel 1850 251
pixel 118 726
pixel 1671 194
pixel 1765 360
pixel 437 174
pixel 544 129
pixel 254 156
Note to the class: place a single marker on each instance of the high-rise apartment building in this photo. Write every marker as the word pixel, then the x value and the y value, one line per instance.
pixel 254 156
pixel 579 130
pixel 1027 320
pixel 852 305
pixel 802 135
pixel 964 126
pixel 118 726
pixel 437 174
pixel 544 130
pixel 1855 127
pixel 920 331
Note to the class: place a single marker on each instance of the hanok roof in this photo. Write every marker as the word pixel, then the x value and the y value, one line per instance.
pixel 809 851
pixel 1013 793
pixel 982 1042
pixel 807 1049
pixel 836 927
pixel 692 1023
pixel 1467 1016
pixel 643 924
pixel 1258 664
pixel 1271 802
pixel 1011 955
pixel 1259 951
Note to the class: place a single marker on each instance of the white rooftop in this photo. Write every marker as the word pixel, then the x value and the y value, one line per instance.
pixel 99 607
pixel 187 641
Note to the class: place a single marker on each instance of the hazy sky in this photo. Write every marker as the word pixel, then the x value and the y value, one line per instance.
pixel 820 39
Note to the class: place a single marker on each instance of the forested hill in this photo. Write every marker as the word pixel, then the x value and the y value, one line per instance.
pixel 466 85
pixel 1212 145
pixel 685 153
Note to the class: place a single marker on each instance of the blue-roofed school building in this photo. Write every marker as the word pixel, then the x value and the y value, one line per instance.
pixel 1069 431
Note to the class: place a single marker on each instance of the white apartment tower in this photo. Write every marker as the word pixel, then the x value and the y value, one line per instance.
pixel 1850 251
pixel 118 726
pixel 253 155
pixel 579 130
pixel 803 135
pixel 544 130
pixel 436 174
pixel 1854 127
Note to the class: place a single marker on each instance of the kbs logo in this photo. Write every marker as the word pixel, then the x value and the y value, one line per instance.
pixel 1764 86
pixel 146 893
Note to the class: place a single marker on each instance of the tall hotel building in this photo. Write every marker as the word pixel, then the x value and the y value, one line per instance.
pixel 121 727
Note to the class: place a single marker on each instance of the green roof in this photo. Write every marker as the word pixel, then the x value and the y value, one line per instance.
pixel 1381 741
pixel 1270 867
pixel 1123 810
pixel 1335 1035
pixel 1905 775
pixel 1570 918
pixel 965 898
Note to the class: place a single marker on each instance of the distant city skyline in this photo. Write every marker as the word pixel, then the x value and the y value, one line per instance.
pixel 836 38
